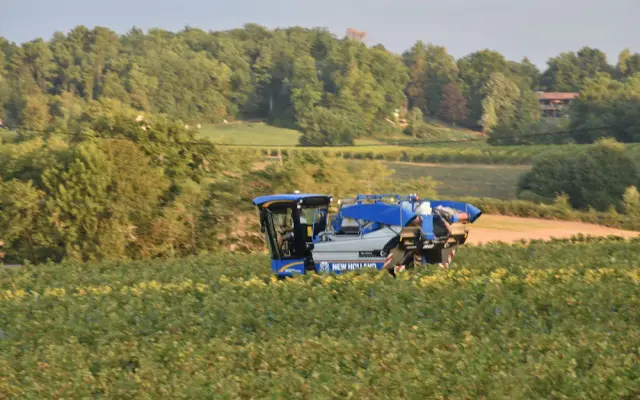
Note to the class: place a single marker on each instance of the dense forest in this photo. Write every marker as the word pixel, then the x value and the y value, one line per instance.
pixel 331 89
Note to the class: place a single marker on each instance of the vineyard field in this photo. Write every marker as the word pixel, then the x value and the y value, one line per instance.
pixel 552 319
pixel 261 133
pixel 465 180
pixel 460 153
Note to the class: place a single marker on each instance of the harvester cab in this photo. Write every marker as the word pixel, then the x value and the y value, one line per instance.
pixel 385 231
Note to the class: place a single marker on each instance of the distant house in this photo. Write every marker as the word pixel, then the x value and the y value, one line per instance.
pixel 555 104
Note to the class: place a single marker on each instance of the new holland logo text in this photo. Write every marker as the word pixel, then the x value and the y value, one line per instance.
pixel 349 266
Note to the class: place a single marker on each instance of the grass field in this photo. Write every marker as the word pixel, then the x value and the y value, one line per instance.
pixel 549 320
pixel 245 133
pixel 457 180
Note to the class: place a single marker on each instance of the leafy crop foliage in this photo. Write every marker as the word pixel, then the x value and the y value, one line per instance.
pixel 545 320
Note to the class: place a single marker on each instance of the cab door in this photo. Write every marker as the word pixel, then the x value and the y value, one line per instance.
pixel 285 239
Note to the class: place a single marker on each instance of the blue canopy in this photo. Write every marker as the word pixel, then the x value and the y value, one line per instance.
pixel 258 201
pixel 389 214
pixel 474 213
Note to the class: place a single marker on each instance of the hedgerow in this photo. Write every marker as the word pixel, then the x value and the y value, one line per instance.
pixel 543 320
pixel 510 155
pixel 559 210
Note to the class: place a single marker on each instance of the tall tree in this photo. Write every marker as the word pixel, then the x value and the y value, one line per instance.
pixel 307 89
pixel 628 64
pixel 489 118
pixel 416 60
pixel 441 70
pixel 526 73
pixel 562 74
pixel 453 106
pixel 568 71
pixel 502 96
pixel 391 77
pixel 610 105
pixel 475 71
pixel 431 69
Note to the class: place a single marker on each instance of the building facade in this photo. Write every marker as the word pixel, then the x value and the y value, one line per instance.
pixel 555 104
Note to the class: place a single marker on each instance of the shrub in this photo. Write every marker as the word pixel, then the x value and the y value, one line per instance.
pixel 632 202
pixel 597 176
pixel 329 127
pixel 393 156
pixel 558 208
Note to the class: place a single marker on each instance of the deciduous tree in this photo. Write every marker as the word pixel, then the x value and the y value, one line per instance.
pixel 453 106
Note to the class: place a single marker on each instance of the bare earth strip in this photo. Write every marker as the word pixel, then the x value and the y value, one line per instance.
pixel 500 228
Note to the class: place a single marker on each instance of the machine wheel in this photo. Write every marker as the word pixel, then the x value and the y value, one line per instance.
pixel 390 246
pixel 407 261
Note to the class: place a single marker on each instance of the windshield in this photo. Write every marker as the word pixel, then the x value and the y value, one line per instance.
pixel 307 214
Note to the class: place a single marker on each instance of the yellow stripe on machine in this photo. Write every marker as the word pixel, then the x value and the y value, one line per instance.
pixel 287 266
pixel 267 204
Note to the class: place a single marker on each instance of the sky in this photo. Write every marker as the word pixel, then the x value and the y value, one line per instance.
pixel 517 28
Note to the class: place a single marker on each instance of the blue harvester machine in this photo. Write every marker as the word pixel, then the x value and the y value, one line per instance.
pixel 386 231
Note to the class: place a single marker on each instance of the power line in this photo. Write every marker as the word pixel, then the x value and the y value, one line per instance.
pixel 407 144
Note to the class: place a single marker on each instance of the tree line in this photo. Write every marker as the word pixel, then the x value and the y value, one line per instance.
pixel 331 89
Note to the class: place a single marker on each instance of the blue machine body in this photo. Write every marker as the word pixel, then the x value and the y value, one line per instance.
pixel 364 233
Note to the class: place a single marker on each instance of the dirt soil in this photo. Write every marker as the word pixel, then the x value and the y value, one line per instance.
pixel 492 228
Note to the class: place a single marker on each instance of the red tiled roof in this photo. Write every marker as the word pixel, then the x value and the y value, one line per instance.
pixel 556 95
